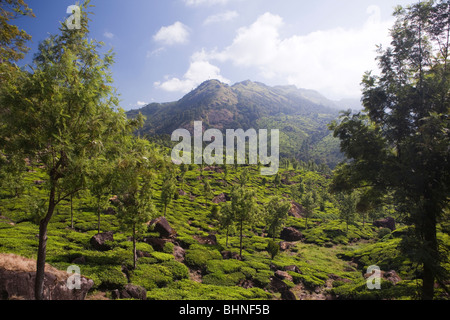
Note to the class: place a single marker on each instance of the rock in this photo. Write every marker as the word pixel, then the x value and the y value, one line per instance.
pixel 115 294
pixel 157 243
pixel 79 260
pixel 288 295
pixel 17 280
pixel 98 242
pixel 131 291
pixel 283 275
pixel 230 255
pixel 293 269
pixel 284 245
pixel 391 276
pixel 162 226
pixel 181 192
pixel 291 234
pixel 211 239
pixel 277 285
pixel 179 253
pixel 223 197
pixel 385 223
pixel 142 254
pixel 296 210
pixel 246 284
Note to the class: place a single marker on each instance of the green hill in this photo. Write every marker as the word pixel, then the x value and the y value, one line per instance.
pixel 301 116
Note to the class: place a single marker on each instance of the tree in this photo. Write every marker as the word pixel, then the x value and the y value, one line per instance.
pixel 12 49
pixel 276 214
pixel 207 190
pixel 62 115
pixel 273 248
pixel 309 205
pixel 347 207
pixel 243 177
pixel 100 186
pixel 12 40
pixel 226 220
pixel 244 209
pixel 168 189
pixel 134 188
pixel 399 143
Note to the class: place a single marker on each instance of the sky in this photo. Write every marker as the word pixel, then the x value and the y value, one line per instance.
pixel 166 48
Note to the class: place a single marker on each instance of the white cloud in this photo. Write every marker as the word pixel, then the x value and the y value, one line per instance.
pixel 194 3
pixel 108 35
pixel 141 103
pixel 221 17
pixel 177 33
pixel 199 71
pixel 331 61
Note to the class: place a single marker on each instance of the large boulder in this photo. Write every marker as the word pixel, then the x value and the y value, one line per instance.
pixel 223 197
pixel 18 275
pixel 291 234
pixel 133 292
pixel 179 253
pixel 98 242
pixel 385 223
pixel 157 243
pixel 162 226
pixel 296 210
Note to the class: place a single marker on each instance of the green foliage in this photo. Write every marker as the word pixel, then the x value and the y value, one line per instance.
pixel 399 143
pixel 198 257
pixel 273 248
pixel 276 215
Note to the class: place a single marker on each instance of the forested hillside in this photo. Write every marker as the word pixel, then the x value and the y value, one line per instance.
pixel 302 116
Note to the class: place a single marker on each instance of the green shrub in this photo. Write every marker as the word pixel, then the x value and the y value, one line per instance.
pixel 151 276
pixel 161 256
pixel 191 290
pixel 383 232
pixel 198 258
pixel 222 279
pixel 225 266
pixel 179 271
pixel 168 247
pixel 273 248
pixel 105 277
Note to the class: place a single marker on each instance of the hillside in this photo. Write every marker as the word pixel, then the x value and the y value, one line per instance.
pixel 301 116
pixel 319 258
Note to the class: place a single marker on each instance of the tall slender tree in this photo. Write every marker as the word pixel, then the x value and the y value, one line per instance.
pixel 133 185
pixel 244 209
pixel 399 143
pixel 61 117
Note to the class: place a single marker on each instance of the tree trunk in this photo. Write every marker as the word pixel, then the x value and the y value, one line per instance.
pixel 228 228
pixel 134 247
pixel 42 248
pixel 71 211
pixel 429 263
pixel 240 241
pixel 98 221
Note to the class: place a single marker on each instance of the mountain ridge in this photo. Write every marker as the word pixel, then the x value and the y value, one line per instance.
pixel 301 115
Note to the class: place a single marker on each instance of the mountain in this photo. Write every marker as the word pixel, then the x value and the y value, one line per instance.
pixel 301 116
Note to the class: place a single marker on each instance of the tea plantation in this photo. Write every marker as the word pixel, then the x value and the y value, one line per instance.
pixel 328 262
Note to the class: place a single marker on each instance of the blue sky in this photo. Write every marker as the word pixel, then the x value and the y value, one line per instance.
pixel 165 48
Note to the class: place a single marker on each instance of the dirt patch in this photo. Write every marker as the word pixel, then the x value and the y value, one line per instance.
pixel 12 262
